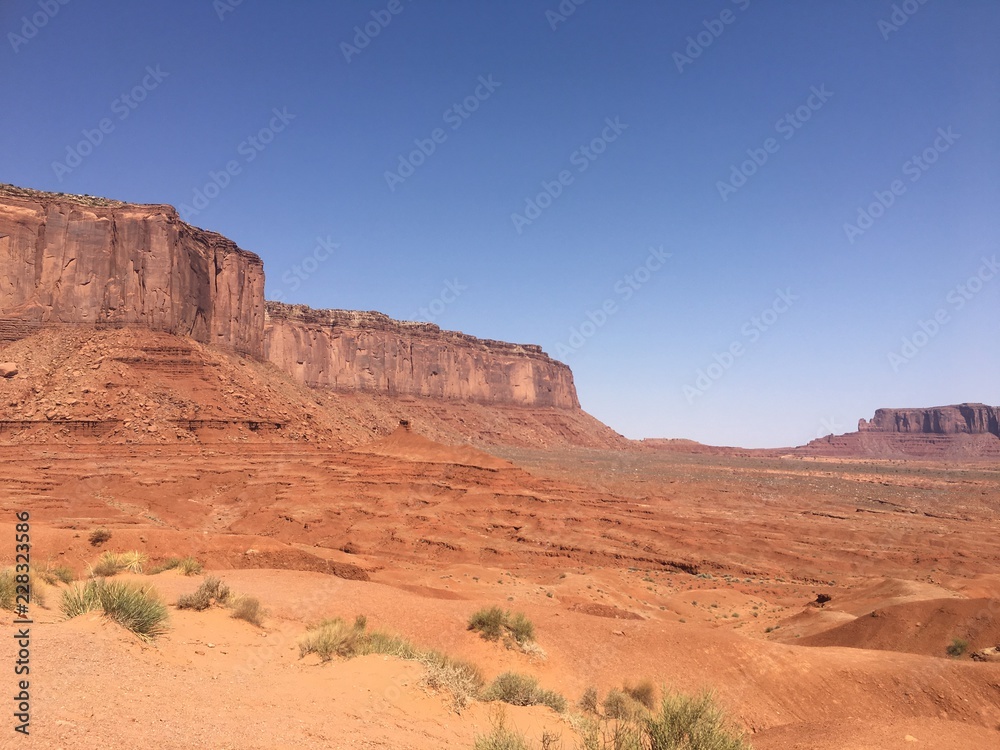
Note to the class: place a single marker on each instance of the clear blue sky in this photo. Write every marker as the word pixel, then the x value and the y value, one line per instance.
pixel 864 99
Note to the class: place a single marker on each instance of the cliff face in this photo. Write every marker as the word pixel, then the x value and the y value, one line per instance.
pixel 368 351
pixel 69 259
pixel 964 419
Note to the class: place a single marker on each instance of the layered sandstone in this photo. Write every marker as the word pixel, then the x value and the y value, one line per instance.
pixel 963 419
pixel 960 432
pixel 83 260
pixel 367 351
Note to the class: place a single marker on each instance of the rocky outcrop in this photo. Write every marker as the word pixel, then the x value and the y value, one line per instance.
pixel 964 419
pixel 83 260
pixel 962 432
pixel 368 351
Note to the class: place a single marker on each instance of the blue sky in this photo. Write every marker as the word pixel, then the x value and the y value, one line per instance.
pixel 711 211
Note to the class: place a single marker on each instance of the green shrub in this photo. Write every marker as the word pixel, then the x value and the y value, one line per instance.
pixel 248 608
pixel 495 623
pixel 692 723
pixel 133 607
pixel 957 647
pixel 189 566
pixel 330 638
pixel 212 591
pixel 99 537
pixel 112 563
pixel 620 705
pixel 58 574
pixel 523 690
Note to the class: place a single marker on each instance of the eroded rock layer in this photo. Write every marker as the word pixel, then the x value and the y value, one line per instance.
pixel 368 351
pixel 963 419
pixel 83 260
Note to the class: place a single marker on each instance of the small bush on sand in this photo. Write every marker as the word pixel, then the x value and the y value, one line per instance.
pixel 133 607
pixel 248 608
pixel 620 705
pixel 501 737
pixel 112 563
pixel 212 591
pixel 462 679
pixel 58 574
pixel 642 692
pixel 957 647
pixel 495 623
pixel 523 690
pixel 99 537
pixel 589 701
pixel 693 723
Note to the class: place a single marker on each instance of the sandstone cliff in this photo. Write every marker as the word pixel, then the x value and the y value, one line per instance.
pixel 78 259
pixel 964 419
pixel 368 351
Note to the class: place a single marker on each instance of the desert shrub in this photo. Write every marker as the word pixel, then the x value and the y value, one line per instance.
pixel 133 561
pixel 133 607
pixel 501 737
pixel 523 690
pixel 108 564
pixel 692 723
pixel 495 623
pixel 614 735
pixel 212 591
pixel 248 608
pixel 957 647
pixel 58 574
pixel 620 705
pixel 188 566
pixel 462 679
pixel 99 537
pixel 589 701
pixel 643 692
pixel 8 589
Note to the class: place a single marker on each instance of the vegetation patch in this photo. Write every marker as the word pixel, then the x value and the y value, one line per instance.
pixel 495 623
pixel 212 591
pixel 188 566
pixel 99 537
pixel 248 608
pixel 112 563
pixel 957 647
pixel 134 607
pixel 523 690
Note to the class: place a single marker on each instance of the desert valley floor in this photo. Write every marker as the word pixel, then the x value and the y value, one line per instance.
pixel 690 570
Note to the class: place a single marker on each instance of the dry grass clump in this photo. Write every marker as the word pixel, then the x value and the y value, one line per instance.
pixel 8 590
pixel 134 607
pixel 112 563
pixel 212 591
pixel 248 608
pixel 57 574
pixel 336 638
pixel 188 566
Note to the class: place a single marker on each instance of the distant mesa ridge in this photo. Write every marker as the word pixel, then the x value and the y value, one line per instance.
pixel 968 419
pixel 81 260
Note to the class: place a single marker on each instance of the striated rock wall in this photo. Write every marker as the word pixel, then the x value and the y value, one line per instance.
pixel 368 351
pixel 77 259
pixel 963 419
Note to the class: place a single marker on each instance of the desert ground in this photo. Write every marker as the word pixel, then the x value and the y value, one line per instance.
pixel 690 571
